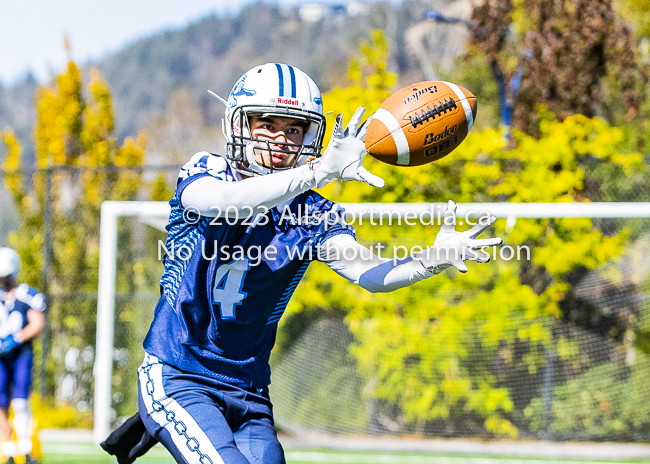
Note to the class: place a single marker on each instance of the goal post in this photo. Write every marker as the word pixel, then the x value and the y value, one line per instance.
pixel 156 214
pixel 111 211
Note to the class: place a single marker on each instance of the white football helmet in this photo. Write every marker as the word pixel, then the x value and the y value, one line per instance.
pixel 272 89
pixel 9 262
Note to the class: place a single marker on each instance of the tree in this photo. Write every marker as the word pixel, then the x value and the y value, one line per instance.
pixel 79 164
pixel 445 356
pixel 575 57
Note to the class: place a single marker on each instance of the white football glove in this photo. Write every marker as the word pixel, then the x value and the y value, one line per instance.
pixel 453 248
pixel 343 156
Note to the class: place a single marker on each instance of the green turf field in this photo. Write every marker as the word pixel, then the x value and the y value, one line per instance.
pixel 61 453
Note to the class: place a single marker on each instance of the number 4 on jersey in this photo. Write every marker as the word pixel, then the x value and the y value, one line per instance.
pixel 229 281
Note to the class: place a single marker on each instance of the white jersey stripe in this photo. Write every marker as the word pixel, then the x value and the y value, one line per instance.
pixel 463 100
pixel 403 150
pixel 172 414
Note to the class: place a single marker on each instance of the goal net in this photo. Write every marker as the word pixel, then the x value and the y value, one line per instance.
pixel 538 343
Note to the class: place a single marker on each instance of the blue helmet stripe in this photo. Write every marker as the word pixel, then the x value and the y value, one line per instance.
pixel 293 81
pixel 281 79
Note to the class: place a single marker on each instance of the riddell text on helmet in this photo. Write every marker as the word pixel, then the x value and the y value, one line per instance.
pixel 288 101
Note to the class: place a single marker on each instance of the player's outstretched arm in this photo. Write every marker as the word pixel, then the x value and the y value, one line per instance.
pixel 358 264
pixel 343 156
pixel 341 161
pixel 210 195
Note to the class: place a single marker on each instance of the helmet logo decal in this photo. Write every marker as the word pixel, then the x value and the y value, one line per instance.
pixel 318 100
pixel 239 91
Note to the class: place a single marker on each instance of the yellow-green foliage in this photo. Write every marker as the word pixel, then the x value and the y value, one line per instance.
pixel 160 190
pixel 76 147
pixel 637 13
pixel 415 346
pixel 52 414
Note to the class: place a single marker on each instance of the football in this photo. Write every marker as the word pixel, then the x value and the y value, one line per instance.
pixel 421 123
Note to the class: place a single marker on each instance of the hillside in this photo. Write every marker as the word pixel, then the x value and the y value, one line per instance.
pixel 159 83
pixel 214 52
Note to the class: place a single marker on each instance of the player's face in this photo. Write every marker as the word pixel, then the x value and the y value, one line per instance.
pixel 279 132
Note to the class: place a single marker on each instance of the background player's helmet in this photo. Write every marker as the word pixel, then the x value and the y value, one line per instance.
pixel 272 89
pixel 9 262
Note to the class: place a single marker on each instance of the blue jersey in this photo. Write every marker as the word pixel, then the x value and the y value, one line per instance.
pixel 14 316
pixel 227 282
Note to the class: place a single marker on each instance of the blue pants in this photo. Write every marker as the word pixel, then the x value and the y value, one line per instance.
pixel 16 372
pixel 203 421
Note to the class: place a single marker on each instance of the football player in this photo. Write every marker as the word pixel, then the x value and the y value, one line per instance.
pixel 242 231
pixel 21 319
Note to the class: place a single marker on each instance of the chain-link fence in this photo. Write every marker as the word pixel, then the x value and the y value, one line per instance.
pixel 582 373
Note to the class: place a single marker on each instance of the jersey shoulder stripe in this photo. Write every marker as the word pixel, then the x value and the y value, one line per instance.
pixel 30 296
pixel 204 162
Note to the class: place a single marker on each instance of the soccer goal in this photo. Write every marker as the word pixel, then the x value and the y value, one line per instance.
pixel 546 384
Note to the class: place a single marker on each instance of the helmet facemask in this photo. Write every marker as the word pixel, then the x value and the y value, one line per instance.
pixel 242 146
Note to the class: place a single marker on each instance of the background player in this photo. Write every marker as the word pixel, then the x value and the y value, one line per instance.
pixel 239 241
pixel 21 319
